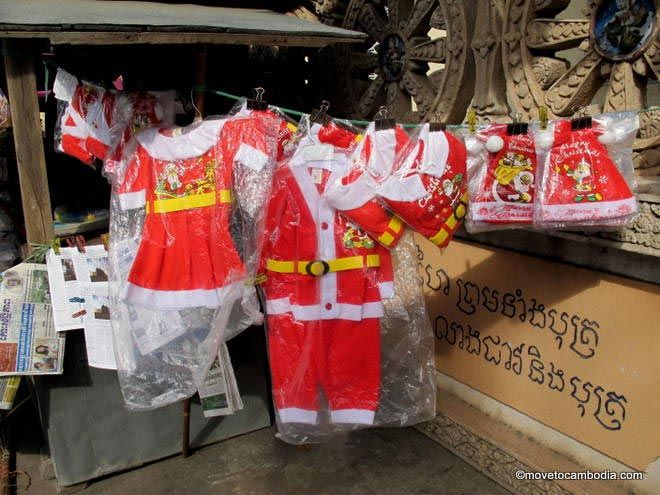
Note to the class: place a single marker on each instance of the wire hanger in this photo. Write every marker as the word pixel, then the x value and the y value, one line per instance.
pixel 436 125
pixel 320 115
pixel 581 119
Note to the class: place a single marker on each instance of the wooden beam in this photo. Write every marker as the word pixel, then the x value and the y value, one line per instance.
pixel 22 89
pixel 184 38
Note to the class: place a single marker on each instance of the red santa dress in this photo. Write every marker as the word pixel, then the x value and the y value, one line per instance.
pixel 428 187
pixel 325 282
pixel 581 184
pixel 183 177
pixel 504 189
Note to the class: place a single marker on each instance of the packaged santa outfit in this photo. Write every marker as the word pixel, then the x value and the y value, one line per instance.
pixel 96 123
pixel 502 181
pixel 587 172
pixel 326 281
pixel 371 162
pixel 182 277
pixel 427 188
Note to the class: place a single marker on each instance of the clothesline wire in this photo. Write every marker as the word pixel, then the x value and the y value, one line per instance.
pixel 290 111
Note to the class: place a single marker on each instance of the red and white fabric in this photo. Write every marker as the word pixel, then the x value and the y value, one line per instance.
pixel 503 186
pixel 183 177
pixel 370 164
pixel 427 187
pixel 322 330
pixel 581 184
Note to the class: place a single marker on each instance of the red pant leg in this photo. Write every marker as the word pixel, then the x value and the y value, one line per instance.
pixel 292 354
pixel 351 378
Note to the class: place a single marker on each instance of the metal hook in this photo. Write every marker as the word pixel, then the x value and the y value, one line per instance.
pixel 516 116
pixel 198 113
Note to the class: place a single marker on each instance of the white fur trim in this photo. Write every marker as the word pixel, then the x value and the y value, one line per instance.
pixel 297 415
pixel 588 211
pixel 494 144
pixel 409 188
pixel 251 157
pixel 175 299
pixel 313 312
pixel 386 290
pixel 194 140
pixel 351 196
pixel 545 139
pixel 436 153
pixel 354 416
pixel 383 153
pixel 132 200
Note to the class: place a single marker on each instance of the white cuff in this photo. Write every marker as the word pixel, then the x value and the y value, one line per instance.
pixel 351 196
pixel 354 416
pixel 386 290
pixel 65 85
pixel 251 157
pixel 406 189
pixel 297 415
pixel 132 200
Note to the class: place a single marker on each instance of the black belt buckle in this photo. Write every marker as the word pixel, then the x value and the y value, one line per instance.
pixel 324 264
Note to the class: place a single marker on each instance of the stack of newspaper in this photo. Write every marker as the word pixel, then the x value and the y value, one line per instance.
pixel 219 394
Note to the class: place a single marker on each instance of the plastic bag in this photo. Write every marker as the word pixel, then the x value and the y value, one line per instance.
pixel 428 187
pixel 336 363
pixel 179 280
pixel 587 174
pixel 365 166
pixel 503 180
pixel 96 123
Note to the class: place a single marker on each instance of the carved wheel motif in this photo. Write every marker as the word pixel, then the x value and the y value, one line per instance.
pixel 397 66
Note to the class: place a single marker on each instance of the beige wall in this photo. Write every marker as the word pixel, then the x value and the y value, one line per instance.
pixel 564 354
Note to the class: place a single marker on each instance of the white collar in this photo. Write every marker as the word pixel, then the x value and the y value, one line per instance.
pixel 193 141
pixel 434 155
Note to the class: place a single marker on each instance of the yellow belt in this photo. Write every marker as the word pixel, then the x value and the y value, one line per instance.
pixel 317 268
pixel 452 223
pixel 395 225
pixel 189 202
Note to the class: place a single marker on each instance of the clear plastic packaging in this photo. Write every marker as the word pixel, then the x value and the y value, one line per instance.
pixel 96 123
pixel 367 161
pixel 428 187
pixel 180 282
pixel 587 179
pixel 346 349
pixel 503 178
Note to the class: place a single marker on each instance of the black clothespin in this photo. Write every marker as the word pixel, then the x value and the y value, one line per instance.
pixel 383 120
pixel 436 125
pixel 320 115
pixel 258 103
pixel 581 121
pixel 516 127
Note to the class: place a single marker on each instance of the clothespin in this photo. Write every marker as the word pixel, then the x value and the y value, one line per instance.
pixel 105 239
pixel 56 244
pixel 383 120
pixel 257 103
pixel 471 119
pixel 581 120
pixel 516 127
pixel 436 125
pixel 320 115
pixel 543 117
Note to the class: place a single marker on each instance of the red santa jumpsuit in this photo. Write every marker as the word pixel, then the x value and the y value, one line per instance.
pixel 370 163
pixel 428 188
pixel 505 189
pixel 325 283
pixel 183 177
pixel 581 183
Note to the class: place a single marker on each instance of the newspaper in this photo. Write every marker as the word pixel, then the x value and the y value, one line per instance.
pixel 80 290
pixel 219 394
pixel 29 344
pixel 8 388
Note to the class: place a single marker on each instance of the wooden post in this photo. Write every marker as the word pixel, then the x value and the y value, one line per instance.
pixel 200 98
pixel 22 89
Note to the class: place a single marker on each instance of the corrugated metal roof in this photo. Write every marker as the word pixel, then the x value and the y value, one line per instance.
pixel 58 16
